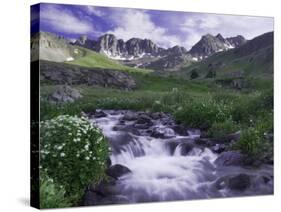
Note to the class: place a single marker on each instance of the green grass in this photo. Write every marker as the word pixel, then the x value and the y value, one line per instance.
pixel 96 60
pixel 257 64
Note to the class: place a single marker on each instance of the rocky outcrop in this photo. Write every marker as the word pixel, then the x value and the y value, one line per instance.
pixel 257 44
pixel 116 171
pixel 231 158
pixel 64 94
pixel 51 47
pixel 239 182
pixel 59 73
pixel 138 52
pixel 209 44
pixel 237 41
pixel 115 48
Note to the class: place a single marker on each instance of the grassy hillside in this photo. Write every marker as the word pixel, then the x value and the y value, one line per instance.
pixel 253 59
pixel 94 59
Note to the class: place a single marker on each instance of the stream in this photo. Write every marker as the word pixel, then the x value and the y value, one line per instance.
pixel 154 159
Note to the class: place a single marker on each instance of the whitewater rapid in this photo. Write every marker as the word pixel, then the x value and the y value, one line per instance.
pixel 168 168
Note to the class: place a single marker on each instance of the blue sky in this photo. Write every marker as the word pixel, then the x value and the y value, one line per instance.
pixel 166 28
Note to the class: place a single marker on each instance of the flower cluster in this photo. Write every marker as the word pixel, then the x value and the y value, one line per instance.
pixel 73 152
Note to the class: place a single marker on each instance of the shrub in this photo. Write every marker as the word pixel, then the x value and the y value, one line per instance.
pixel 194 74
pixel 174 97
pixel 202 113
pixel 265 100
pixel 250 143
pixel 49 110
pixel 220 129
pixel 211 74
pixel 73 153
pixel 264 123
pixel 52 195
pixel 250 108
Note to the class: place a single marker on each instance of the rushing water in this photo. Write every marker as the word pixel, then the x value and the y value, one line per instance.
pixel 170 168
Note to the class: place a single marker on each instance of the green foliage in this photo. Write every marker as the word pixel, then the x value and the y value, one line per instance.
pixel 264 123
pixel 49 111
pixel 211 74
pixel 52 195
pixel 226 97
pixel 254 142
pixel 220 129
pixel 73 153
pixel 202 113
pixel 250 143
pixel 174 97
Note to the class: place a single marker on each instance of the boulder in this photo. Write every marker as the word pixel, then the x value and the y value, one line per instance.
pixel 126 128
pixel 130 116
pixel 64 94
pixel 218 148
pixel 117 170
pixel 180 130
pixel 99 114
pixel 157 115
pixel 119 140
pixel 162 132
pixel 143 122
pixel 142 126
pixel 239 182
pixel 144 119
pixel 230 158
pixel 98 194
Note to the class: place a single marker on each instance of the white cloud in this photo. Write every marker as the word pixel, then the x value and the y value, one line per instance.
pixel 65 21
pixel 91 10
pixel 137 23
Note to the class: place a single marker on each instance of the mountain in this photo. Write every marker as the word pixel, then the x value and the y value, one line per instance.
pixel 58 49
pixel 209 44
pixel 237 41
pixel 118 49
pixel 253 58
pixel 53 48
pixel 137 52
pixel 144 53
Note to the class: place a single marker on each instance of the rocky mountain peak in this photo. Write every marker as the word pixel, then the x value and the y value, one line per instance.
pixel 220 37
pixel 178 50
pixel 82 39
pixel 237 41
pixel 209 44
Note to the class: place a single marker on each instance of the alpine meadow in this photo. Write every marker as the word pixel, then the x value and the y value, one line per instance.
pixel 148 106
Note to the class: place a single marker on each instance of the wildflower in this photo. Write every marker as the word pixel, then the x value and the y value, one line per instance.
pixel 62 154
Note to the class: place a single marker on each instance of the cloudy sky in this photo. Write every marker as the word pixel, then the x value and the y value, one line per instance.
pixel 166 28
